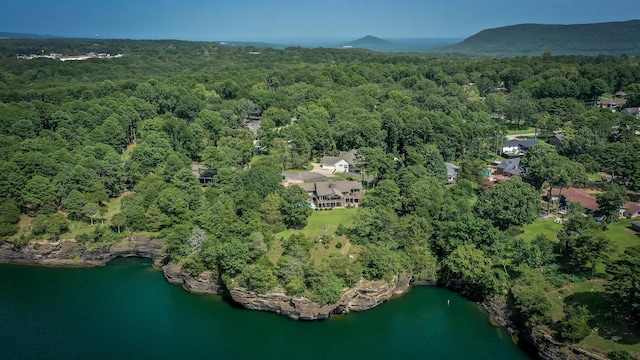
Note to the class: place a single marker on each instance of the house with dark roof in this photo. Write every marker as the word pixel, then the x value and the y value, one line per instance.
pixel 509 167
pixel 518 147
pixel 555 139
pixel 635 226
pixel 345 162
pixel 202 173
pixel 333 194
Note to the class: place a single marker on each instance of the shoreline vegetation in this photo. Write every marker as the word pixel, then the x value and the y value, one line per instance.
pixel 193 143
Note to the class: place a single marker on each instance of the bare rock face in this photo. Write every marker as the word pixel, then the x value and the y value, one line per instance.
pixel 366 295
pixel 205 283
pixel 68 252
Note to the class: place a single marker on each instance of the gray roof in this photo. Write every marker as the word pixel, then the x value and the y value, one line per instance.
pixel 521 143
pixel 308 187
pixel 529 143
pixel 452 170
pixel 631 111
pixel 348 156
pixel 329 188
pixel 511 143
pixel 510 166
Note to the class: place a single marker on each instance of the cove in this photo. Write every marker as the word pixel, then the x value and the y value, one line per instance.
pixel 126 310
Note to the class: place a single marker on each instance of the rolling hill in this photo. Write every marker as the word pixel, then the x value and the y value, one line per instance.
pixel 615 38
pixel 373 43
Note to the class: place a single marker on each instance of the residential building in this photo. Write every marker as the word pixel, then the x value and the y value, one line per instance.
pixel 452 172
pixel 581 196
pixel 202 173
pixel 332 194
pixel 518 147
pixel 630 210
pixel 634 111
pixel 345 162
pixel 509 167
pixel 555 139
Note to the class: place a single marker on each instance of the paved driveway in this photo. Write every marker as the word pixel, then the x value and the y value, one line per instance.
pixel 316 173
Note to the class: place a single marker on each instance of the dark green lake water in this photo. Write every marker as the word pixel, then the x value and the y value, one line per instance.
pixel 126 310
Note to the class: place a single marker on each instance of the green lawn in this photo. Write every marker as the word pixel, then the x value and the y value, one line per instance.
pixel 622 236
pixel 593 295
pixel 595 177
pixel 514 129
pixel 320 223
pixel 546 227
pixel 323 222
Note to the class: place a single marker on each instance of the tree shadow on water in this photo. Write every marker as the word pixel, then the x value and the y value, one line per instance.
pixel 611 322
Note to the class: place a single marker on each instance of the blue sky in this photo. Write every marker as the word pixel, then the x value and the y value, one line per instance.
pixel 272 19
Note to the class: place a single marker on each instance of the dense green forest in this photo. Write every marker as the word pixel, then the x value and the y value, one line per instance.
pixel 102 148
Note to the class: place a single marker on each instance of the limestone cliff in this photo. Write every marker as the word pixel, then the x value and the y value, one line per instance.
pixel 69 252
pixel 365 295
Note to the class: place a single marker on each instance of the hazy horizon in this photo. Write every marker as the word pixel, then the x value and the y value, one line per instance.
pixel 259 20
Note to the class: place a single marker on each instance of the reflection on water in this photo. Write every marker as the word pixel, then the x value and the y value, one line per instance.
pixel 127 310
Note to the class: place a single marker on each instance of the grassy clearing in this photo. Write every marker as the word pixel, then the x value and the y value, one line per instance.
pixel 546 227
pixel 594 177
pixel 622 236
pixel 84 226
pixel 320 223
pixel 607 322
pixel 323 223
pixel 515 129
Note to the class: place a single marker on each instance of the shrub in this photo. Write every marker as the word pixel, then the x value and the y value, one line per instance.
pixel 574 325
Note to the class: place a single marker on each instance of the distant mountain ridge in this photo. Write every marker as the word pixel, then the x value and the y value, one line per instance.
pixel 14 35
pixel 615 38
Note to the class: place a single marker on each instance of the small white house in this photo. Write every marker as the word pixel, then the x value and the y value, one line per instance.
pixel 345 162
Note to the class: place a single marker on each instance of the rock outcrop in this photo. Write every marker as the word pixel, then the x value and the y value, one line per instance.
pixel 204 283
pixel 364 296
pixel 68 252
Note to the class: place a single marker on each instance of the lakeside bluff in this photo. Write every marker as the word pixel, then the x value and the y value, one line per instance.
pixel 69 253
pixel 360 298
pixel 314 182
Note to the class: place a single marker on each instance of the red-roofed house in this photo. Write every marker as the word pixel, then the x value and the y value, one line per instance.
pixel 630 210
pixel 588 201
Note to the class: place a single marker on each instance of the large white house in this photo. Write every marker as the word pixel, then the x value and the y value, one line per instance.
pixel 345 162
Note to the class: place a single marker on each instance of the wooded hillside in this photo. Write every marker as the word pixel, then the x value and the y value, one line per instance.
pixel 612 38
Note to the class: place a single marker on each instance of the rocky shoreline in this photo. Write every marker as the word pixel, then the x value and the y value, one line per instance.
pixel 68 252
pixel 363 296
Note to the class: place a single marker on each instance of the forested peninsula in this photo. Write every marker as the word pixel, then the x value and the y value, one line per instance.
pixel 331 179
